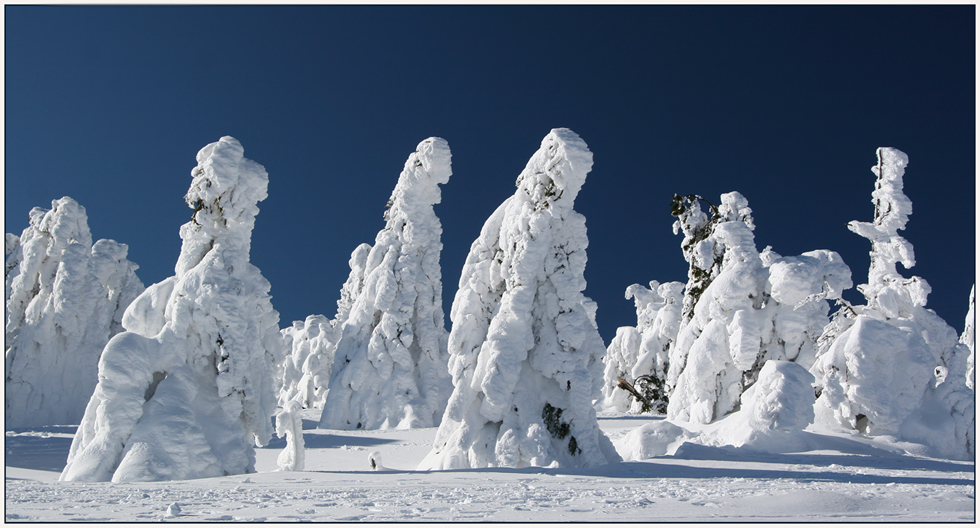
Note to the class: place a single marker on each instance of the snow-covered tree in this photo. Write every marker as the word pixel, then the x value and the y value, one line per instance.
pixel 894 367
pixel 969 339
pixel 639 355
pixel 752 307
pixel 188 389
pixel 390 368
pixel 305 373
pixel 525 358
pixel 718 346
pixel 65 298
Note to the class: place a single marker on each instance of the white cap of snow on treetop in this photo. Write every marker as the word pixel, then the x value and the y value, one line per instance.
pixel 572 161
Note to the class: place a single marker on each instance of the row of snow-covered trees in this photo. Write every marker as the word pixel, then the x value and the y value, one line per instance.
pixel 190 370
pixel 890 367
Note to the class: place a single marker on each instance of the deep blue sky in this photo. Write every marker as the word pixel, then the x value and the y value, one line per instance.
pixel 110 104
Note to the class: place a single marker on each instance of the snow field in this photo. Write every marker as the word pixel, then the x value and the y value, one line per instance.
pixel 843 478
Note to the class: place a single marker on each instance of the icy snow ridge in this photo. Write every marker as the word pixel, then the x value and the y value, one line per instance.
pixel 526 360
pixel 188 389
pixel 390 366
pixel 64 299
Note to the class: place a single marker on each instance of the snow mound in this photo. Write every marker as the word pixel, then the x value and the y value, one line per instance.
pixel 188 389
pixel 64 299
pixel 390 366
pixel 526 360
pixel 660 438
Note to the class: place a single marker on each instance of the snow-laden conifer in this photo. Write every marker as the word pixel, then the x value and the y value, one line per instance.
pixel 525 358
pixel 722 335
pixel 390 367
pixel 64 299
pixel 894 367
pixel 188 389
pixel 969 339
pixel 639 355
pixel 305 372
pixel 746 307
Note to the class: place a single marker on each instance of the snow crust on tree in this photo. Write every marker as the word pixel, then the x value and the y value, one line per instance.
pixel 64 299
pixel 390 366
pixel 639 354
pixel 188 389
pixel 526 360
pixel 894 367
pixel 653 439
pixel 305 372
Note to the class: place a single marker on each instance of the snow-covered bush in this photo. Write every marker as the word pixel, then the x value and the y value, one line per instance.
pixel 305 373
pixel 390 367
pixel 774 411
pixel 188 389
pixel 895 367
pixel 525 358
pixel 639 355
pixel 64 299
pixel 289 424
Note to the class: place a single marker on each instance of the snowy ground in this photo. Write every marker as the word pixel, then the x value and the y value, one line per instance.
pixel 849 479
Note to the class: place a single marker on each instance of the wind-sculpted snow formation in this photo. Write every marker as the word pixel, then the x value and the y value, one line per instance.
pixel 969 339
pixel 742 308
pixel 893 367
pixel 526 360
pixel 639 355
pixel 188 389
pixel 390 367
pixel 64 299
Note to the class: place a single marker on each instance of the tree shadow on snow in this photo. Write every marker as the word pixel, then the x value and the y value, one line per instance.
pixel 326 441
pixel 853 454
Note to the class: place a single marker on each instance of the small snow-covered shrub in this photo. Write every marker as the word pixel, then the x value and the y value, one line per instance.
pixel 64 300
pixel 640 354
pixel 390 366
pixel 526 359
pixel 188 389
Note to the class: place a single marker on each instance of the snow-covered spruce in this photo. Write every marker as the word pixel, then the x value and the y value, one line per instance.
pixel 65 298
pixel 969 339
pixel 305 372
pixel 525 358
pixel 188 389
pixel 390 367
pixel 751 308
pixel 895 367
pixel 639 355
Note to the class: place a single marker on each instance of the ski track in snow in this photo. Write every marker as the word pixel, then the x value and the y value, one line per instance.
pixel 699 483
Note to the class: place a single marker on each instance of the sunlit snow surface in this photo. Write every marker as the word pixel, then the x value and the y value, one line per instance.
pixel 841 478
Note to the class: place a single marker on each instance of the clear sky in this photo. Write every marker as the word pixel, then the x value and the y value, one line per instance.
pixel 787 105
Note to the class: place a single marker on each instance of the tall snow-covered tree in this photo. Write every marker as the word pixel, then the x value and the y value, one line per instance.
pixel 720 340
pixel 525 358
pixel 65 298
pixel 390 367
pixel 188 389
pixel 639 355
pixel 895 367
pixel 969 339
